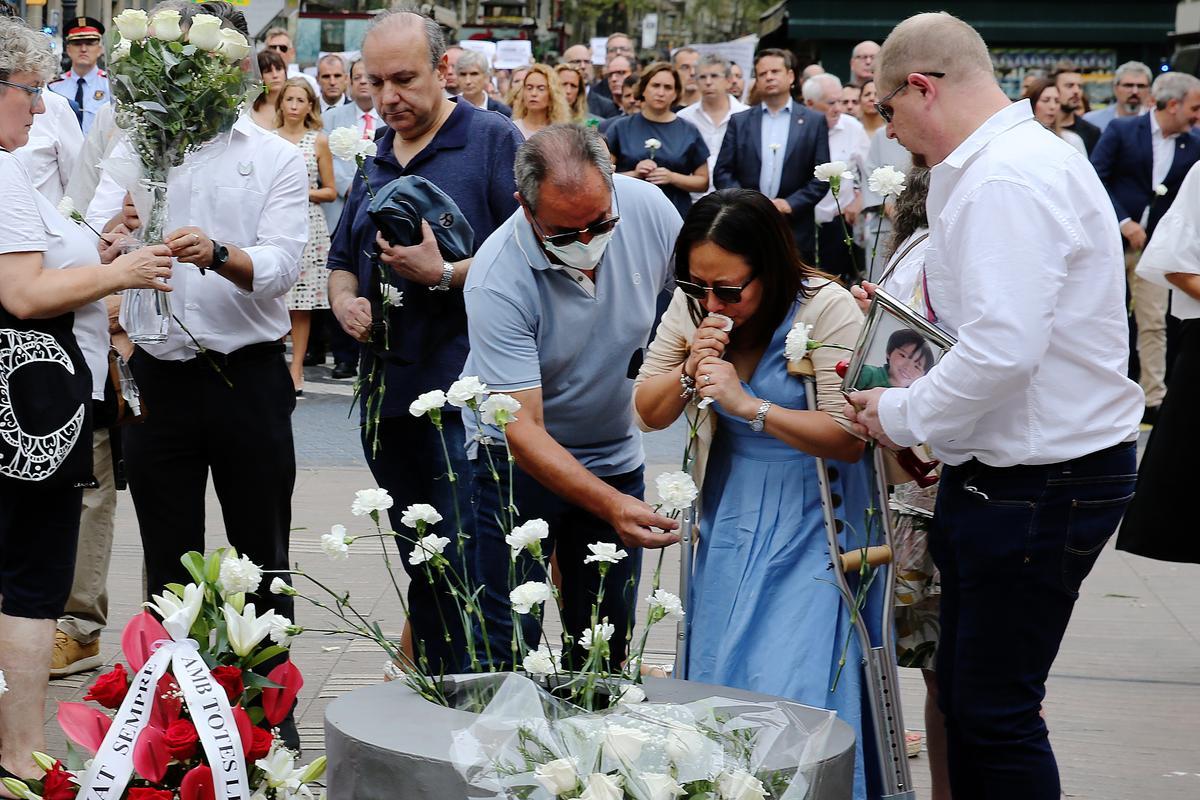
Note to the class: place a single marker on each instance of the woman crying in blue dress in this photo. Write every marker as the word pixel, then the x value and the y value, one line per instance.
pixel 764 614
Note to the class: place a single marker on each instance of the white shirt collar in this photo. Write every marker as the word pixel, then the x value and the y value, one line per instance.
pixel 1156 129
pixel 1008 117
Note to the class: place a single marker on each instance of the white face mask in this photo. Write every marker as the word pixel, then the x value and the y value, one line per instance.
pixel 580 255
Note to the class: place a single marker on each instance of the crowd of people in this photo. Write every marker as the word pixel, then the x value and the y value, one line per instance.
pixel 640 242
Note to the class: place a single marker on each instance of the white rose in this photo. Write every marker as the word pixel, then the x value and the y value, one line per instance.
pixel 830 170
pixel 886 181
pixel 1160 190
pixel 164 25
pixel 239 576
pixel 595 637
pixel 671 606
pixel 499 409
pixel 527 535
pixel 676 490
pixel 631 694
pixel 427 547
pixel 368 500
pixel 795 346
pixel 121 50
pixel 686 744
pixel 540 662
pixel 205 32
pixel 430 401
pixel 133 24
pixel 599 786
pixel 604 552
pixel 280 586
pixel 234 46
pixel 343 143
pixel 335 544
pixel 660 786
pixel 420 512
pixel 527 595
pixel 557 777
pixel 739 785
pixel 625 744
pixel 467 392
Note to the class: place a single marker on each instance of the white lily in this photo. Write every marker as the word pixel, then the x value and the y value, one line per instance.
pixel 178 613
pixel 246 630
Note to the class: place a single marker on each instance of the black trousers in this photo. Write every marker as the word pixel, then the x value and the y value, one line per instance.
pixel 835 255
pixel 241 433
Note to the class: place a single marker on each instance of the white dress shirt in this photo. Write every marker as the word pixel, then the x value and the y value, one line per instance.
pixel 1162 149
pixel 251 192
pixel 54 144
pixel 773 146
pixel 848 141
pixel 1024 266
pixel 711 130
pixel 1176 247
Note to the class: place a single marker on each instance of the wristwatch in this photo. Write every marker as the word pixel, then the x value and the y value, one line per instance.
pixel 447 275
pixel 760 419
pixel 220 256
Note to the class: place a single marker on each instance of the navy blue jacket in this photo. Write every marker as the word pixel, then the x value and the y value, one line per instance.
pixel 739 164
pixel 1124 160
pixel 495 105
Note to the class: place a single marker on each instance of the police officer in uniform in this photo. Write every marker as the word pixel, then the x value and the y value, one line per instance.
pixel 84 83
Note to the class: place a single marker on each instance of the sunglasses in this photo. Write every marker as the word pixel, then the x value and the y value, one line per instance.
pixel 34 92
pixel 882 107
pixel 279 48
pixel 726 294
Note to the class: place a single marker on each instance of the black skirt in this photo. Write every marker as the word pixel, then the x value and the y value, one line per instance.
pixel 1153 526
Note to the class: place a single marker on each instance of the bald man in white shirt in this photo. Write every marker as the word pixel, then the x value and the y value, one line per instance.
pixel 1031 411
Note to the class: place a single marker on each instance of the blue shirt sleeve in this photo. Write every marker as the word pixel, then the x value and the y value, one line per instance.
pixel 341 244
pixel 501 182
pixel 504 351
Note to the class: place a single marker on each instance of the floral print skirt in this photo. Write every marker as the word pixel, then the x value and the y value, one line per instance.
pixel 918 587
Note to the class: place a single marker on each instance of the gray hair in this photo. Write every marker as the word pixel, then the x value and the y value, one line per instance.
pixel 1173 86
pixel 332 57
pixel 714 60
pixel 1132 66
pixel 819 87
pixel 561 153
pixel 276 31
pixel 409 15
pixel 23 49
pixel 473 59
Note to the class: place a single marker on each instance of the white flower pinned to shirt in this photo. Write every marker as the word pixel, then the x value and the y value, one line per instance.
pixel 428 548
pixel 676 490
pixel 467 392
pixel 336 544
pixel 418 515
pixel 499 410
pixel 604 553
pixel 664 605
pixel 344 143
pixel 369 502
pixel 1160 190
pixel 774 147
pixel 528 595
pixel 528 536
pixel 427 403
pixel 542 662
pixel 887 181
pixel 797 344
pixel 239 576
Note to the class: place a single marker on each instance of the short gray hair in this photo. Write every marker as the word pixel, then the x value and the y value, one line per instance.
pixel 818 87
pixel 473 58
pixel 23 49
pixel 565 150
pixel 1173 86
pixel 332 57
pixel 1132 66
pixel 409 15
pixel 276 31
pixel 714 60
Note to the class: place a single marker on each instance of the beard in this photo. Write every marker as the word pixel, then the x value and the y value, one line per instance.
pixel 1131 107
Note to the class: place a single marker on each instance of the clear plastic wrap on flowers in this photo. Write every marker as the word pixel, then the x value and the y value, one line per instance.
pixel 528 744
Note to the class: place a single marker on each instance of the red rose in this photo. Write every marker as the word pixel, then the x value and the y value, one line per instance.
pixel 110 688
pixel 57 785
pixel 261 744
pixel 230 679
pixel 182 739
pixel 145 793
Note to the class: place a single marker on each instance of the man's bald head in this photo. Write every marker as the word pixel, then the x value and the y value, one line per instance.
pixel 403 20
pixel 933 42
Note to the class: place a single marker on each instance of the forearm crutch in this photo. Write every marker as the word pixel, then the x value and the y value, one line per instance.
pixel 685 584
pixel 879 658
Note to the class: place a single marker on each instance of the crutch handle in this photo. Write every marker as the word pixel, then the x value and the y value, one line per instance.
pixel 876 556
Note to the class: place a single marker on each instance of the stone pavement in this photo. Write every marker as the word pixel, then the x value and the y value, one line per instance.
pixel 1123 703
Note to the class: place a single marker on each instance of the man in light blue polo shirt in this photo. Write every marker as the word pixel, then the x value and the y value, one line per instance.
pixel 560 301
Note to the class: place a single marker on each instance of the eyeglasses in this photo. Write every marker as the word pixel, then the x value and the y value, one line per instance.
pixel 882 107
pixel 34 92
pixel 1140 86
pixel 726 294
pixel 279 48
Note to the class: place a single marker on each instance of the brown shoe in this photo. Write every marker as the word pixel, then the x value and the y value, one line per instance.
pixel 70 656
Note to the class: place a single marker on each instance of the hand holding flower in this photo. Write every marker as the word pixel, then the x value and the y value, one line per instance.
pixel 710 339
pixel 644 168
pixel 718 379
pixel 661 176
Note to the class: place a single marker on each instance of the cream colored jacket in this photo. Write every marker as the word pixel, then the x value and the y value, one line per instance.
pixel 835 319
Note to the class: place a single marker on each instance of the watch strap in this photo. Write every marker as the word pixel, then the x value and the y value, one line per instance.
pixel 760 419
pixel 447 276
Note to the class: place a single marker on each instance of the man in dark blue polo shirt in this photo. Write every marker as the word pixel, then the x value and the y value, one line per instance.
pixel 468 154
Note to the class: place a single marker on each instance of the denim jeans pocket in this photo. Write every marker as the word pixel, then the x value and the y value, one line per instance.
pixel 1091 523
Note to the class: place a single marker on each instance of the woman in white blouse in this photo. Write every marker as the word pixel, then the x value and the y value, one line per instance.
pixel 54 340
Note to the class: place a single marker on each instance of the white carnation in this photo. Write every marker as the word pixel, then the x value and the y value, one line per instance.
pixel 499 410
pixel 527 535
pixel 420 512
pixel 367 148
pixel 796 345
pixel 369 500
pixel 280 586
pixel 594 637
pixel 430 401
pixel 631 694
pixel 282 630
pixel 540 662
pixel 239 576
pixel 335 543
pixel 1160 190
pixel 344 143
pixel 466 392
pixel 527 595
pixel 604 552
pixel 66 207
pixel 676 490
pixel 670 604
pixel 653 144
pixel 886 181
pixel 832 169
pixel 427 547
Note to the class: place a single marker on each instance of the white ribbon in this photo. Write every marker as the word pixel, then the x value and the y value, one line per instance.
pixel 208 704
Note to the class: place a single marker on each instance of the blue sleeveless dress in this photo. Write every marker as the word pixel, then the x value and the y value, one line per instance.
pixel 765 615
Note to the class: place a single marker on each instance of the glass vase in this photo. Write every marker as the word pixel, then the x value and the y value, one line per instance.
pixel 148 311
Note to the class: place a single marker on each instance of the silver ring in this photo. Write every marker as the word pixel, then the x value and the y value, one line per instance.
pixel 195 239
pixel 707 378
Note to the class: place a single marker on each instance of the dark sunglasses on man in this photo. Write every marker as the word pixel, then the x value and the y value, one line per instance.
pixel 726 294
pixel 884 109
pixel 279 48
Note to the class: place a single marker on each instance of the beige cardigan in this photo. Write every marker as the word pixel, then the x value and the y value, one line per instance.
pixel 835 319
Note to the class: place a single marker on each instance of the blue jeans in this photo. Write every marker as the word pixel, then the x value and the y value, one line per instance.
pixel 571 530
pixel 411 465
pixel 1013 546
